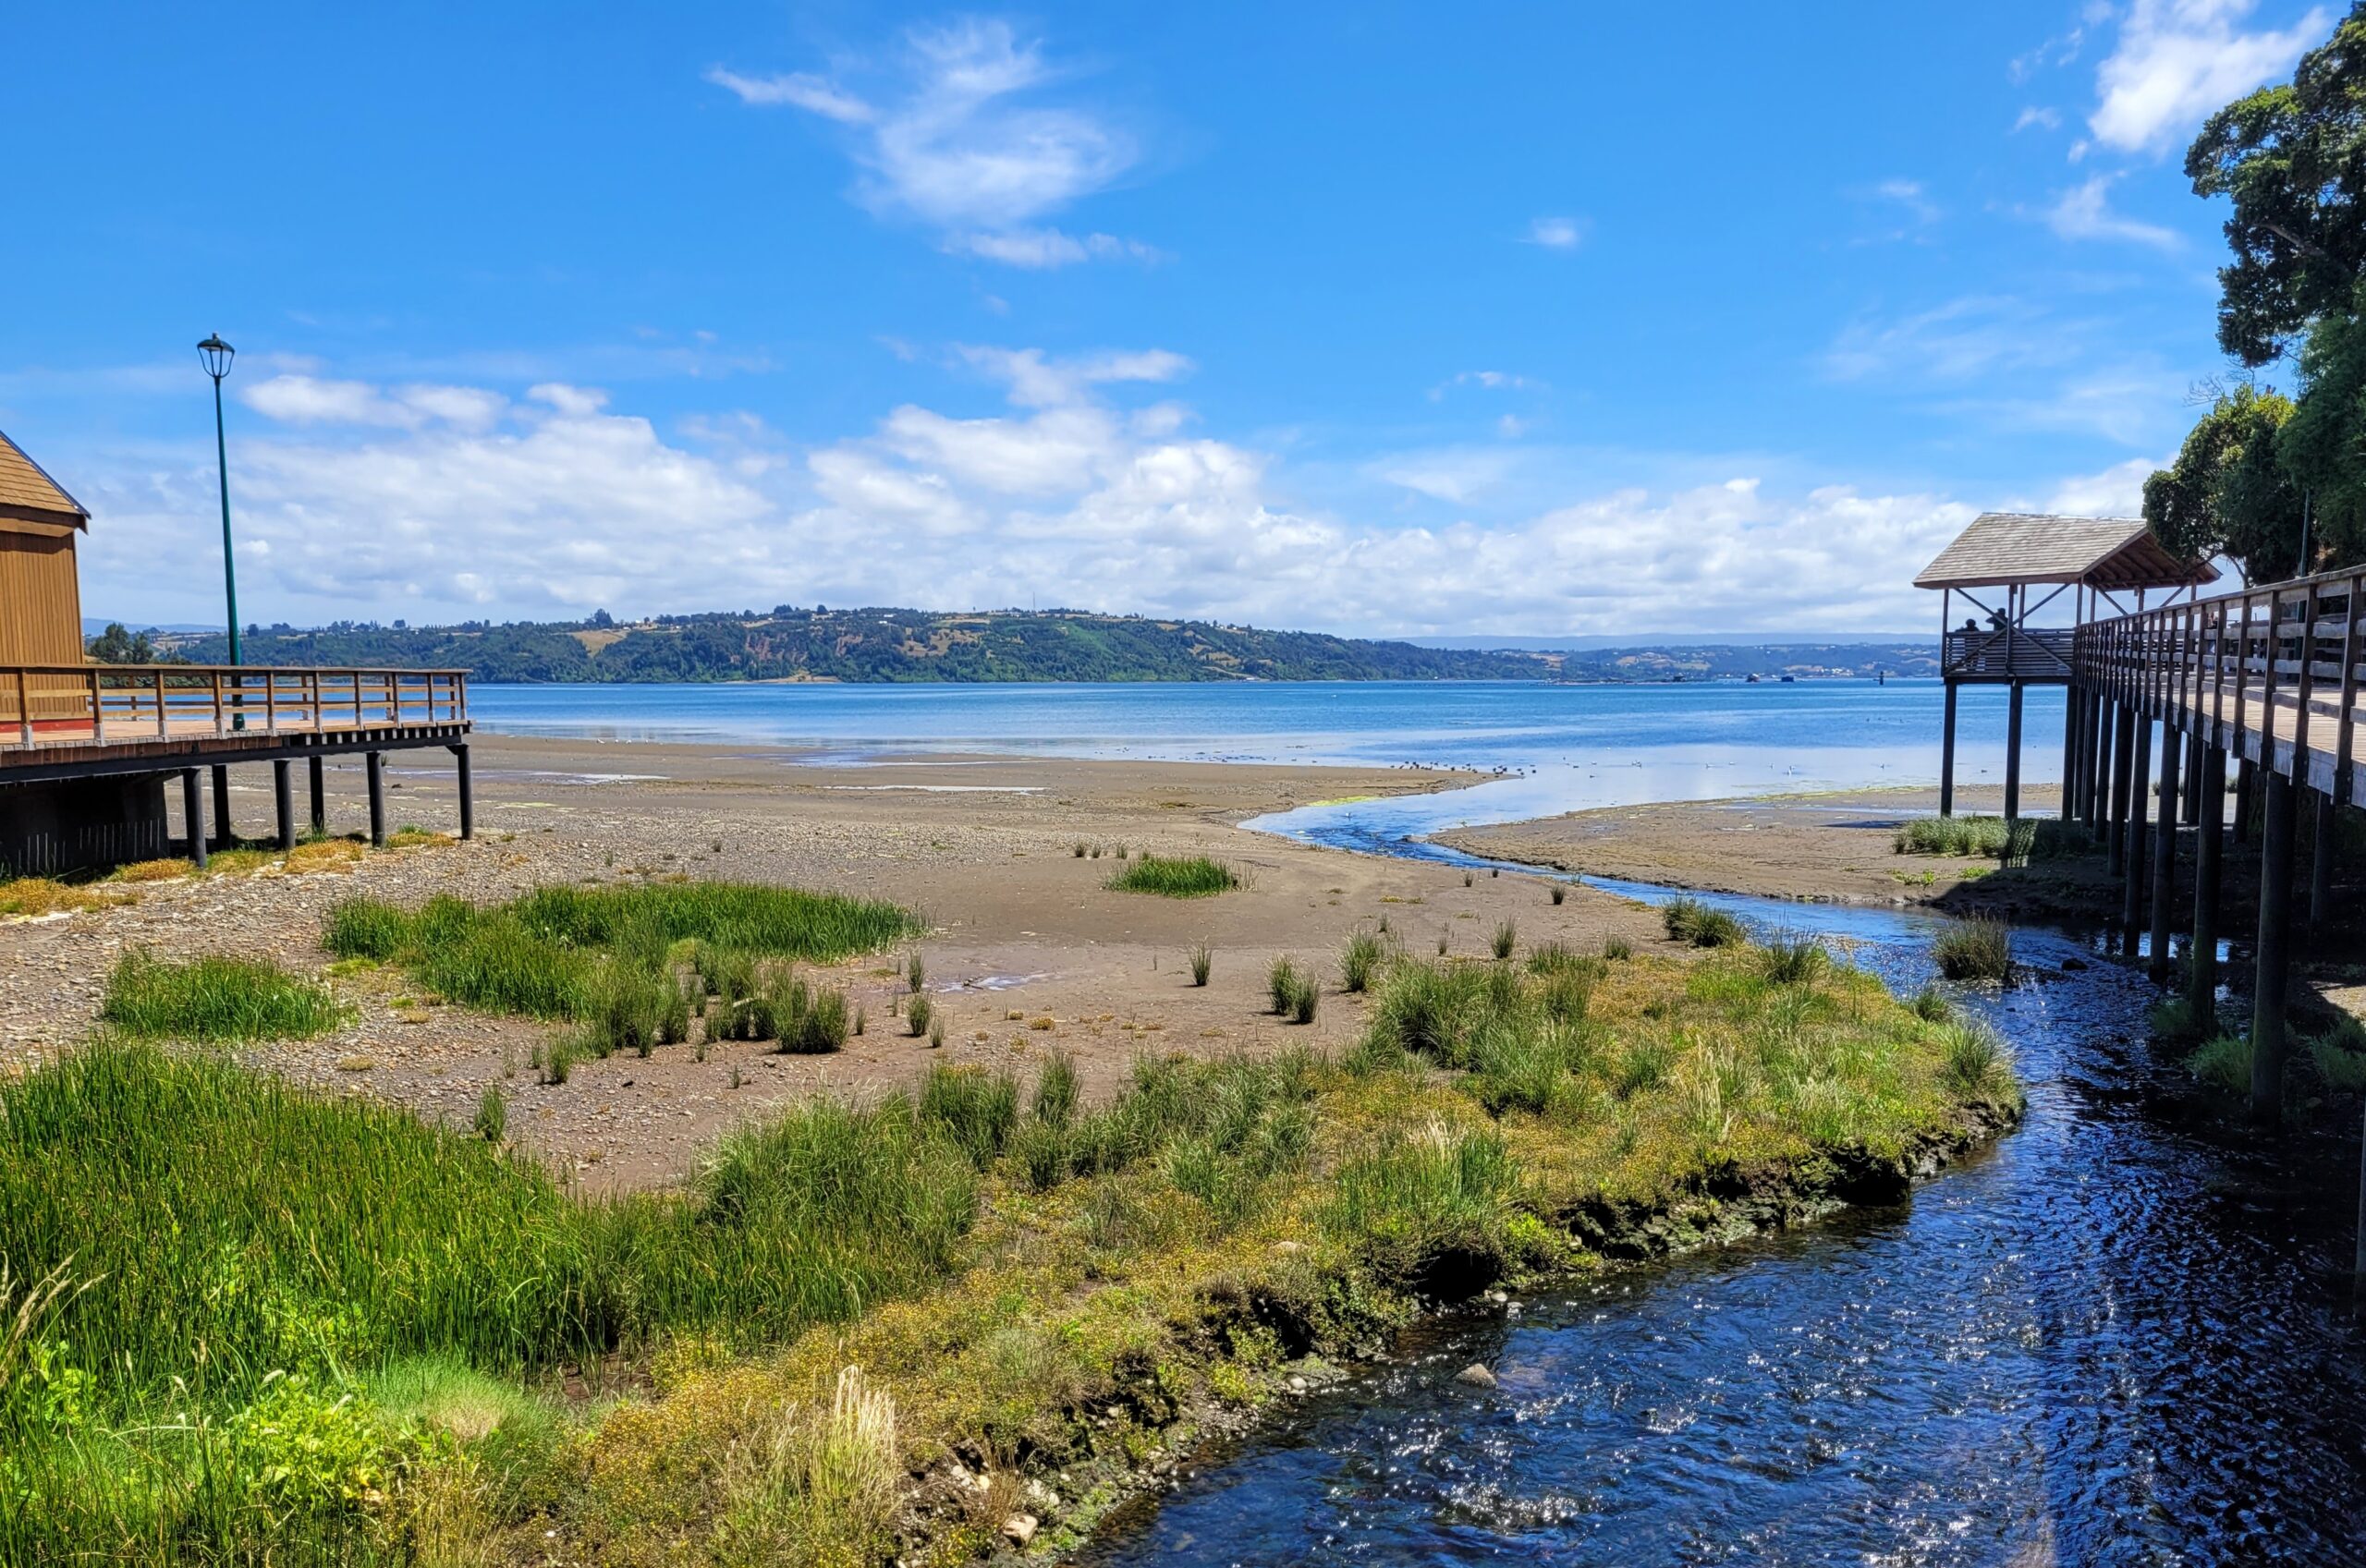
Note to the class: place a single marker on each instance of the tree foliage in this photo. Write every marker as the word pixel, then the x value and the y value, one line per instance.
pixel 2292 157
pixel 116 646
pixel 2228 494
pixel 2322 447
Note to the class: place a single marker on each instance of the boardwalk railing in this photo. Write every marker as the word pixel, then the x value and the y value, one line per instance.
pixel 2270 674
pixel 2006 653
pixel 44 705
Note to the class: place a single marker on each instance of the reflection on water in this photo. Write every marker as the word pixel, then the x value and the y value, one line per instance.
pixel 2108 1340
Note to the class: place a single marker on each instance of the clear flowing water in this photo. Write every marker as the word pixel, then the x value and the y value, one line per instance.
pixel 1560 747
pixel 2113 1339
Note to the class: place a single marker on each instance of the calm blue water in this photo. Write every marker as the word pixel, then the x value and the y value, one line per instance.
pixel 1572 746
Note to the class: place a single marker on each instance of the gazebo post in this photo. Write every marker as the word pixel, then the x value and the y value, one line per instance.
pixel 1947 755
pixel 2013 752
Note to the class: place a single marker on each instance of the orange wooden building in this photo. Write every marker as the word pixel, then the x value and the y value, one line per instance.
pixel 41 596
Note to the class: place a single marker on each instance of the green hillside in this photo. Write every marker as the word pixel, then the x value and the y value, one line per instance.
pixel 869 646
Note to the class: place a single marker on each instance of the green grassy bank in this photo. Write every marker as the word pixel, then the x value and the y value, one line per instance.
pixel 248 1324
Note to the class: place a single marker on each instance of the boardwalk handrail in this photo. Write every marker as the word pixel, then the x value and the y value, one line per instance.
pixel 2271 672
pixel 42 705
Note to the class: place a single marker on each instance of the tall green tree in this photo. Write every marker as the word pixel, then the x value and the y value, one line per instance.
pixel 2293 159
pixel 2323 447
pixel 2228 494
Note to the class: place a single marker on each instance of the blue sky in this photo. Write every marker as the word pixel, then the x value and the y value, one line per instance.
pixel 1374 319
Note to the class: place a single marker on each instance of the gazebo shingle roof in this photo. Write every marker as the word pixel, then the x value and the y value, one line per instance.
pixel 2024 547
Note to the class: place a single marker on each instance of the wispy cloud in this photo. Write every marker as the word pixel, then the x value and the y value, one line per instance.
pixel 2038 115
pixel 956 144
pixel 1556 234
pixel 1491 380
pixel 2084 212
pixel 1972 335
pixel 2176 61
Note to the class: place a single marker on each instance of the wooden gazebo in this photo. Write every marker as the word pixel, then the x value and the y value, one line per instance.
pixel 2109 566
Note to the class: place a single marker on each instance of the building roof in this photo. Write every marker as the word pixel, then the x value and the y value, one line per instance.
pixel 2022 547
pixel 27 492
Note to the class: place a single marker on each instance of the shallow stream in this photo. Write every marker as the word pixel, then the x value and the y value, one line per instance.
pixel 2122 1336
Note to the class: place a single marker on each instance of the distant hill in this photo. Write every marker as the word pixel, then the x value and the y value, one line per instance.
pixel 1804 660
pixel 1548 642
pixel 872 645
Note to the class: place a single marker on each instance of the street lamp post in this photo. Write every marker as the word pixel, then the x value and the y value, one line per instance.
pixel 216 356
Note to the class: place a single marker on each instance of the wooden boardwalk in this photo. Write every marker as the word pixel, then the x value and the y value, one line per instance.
pixel 2270 675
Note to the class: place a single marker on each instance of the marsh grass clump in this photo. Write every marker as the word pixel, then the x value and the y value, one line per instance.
pixel 1560 893
pixel 2224 1066
pixel 1689 921
pixel 1282 981
pixel 1963 836
pixel 917 1013
pixel 1507 937
pixel 1617 949
pixel 1974 950
pixel 1790 960
pixel 1359 960
pixel 1194 876
pixel 1203 960
pixel 974 1109
pixel 2339 1055
pixel 2173 1019
pixel 492 1115
pixel 1304 999
pixel 915 973
pixel 1430 1214
pixel 1930 1005
pixel 1976 1066
pixel 212 1000
pixel 1058 1091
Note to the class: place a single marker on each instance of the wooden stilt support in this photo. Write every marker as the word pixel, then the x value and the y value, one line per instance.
pixel 283 798
pixel 376 771
pixel 319 799
pixel 468 794
pixel 2246 802
pixel 2122 743
pixel 2360 1264
pixel 2321 867
pixel 2013 752
pixel 2165 853
pixel 2274 968
pixel 2099 772
pixel 1948 757
pixel 2131 901
pixel 193 814
pixel 2194 747
pixel 222 838
pixel 2209 840
pixel 2070 700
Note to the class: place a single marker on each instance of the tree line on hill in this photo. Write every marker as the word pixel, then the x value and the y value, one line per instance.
pixel 2276 482
pixel 869 645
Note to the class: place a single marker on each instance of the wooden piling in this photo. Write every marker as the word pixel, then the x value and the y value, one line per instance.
pixel 283 799
pixel 193 814
pixel 320 797
pixel 468 794
pixel 2321 868
pixel 376 772
pixel 2272 970
pixel 2013 752
pixel 2165 852
pixel 222 838
pixel 2209 839
pixel 2246 797
pixel 2099 772
pixel 2123 745
pixel 2071 698
pixel 1947 756
pixel 2135 840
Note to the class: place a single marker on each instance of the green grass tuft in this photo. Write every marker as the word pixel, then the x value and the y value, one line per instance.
pixel 1688 919
pixel 1974 950
pixel 1193 876
pixel 213 1000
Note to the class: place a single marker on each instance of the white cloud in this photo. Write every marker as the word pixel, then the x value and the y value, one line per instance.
pixel 1556 234
pixel 809 92
pixel 1910 195
pixel 2177 61
pixel 952 148
pixel 2084 212
pixel 1493 381
pixel 1972 335
pixel 306 399
pixel 2117 491
pixel 564 505
pixel 2043 118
